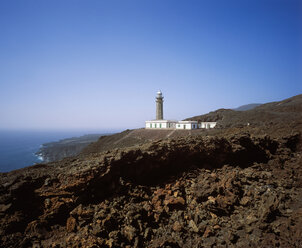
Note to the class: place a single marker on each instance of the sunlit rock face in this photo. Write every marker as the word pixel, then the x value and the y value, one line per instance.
pixel 201 190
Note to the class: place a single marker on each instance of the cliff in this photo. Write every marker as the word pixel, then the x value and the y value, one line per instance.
pixel 236 186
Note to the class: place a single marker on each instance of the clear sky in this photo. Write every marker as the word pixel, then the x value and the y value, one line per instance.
pixel 97 64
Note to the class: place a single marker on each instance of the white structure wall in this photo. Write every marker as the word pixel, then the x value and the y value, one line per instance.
pixel 159 124
pixel 207 124
pixel 168 124
pixel 187 125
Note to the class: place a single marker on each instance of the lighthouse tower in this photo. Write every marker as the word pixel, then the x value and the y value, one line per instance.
pixel 160 123
pixel 159 106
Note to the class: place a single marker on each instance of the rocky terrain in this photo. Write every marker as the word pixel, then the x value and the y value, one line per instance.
pixel 234 186
pixel 285 114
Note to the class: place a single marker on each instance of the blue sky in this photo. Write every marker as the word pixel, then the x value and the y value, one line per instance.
pixel 68 64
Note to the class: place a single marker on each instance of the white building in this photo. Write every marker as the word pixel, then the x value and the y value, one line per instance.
pixel 160 123
pixel 187 125
pixel 209 124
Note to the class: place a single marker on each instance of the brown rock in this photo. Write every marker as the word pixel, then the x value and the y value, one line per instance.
pixel 193 226
pixel 250 219
pixel 214 216
pixel 269 205
pixel 71 224
pixel 109 243
pixel 177 226
pixel 216 227
pixel 208 232
pixel 245 200
pixel 147 233
pixel 211 199
pixel 129 232
pixel 4 208
pixel 171 201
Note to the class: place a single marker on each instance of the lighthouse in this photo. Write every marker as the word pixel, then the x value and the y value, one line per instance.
pixel 160 123
pixel 159 106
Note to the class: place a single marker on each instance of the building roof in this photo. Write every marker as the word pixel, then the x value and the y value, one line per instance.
pixel 188 122
pixel 161 121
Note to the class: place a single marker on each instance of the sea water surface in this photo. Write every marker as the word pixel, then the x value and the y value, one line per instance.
pixel 18 148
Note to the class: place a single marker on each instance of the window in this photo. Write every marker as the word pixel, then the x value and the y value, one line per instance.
pixel 178 125
pixel 150 125
pixel 155 125
pixel 160 125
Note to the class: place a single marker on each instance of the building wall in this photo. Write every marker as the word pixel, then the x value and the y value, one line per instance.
pixel 156 125
pixel 195 126
pixel 173 125
pixel 186 126
pixel 160 125
pixel 212 125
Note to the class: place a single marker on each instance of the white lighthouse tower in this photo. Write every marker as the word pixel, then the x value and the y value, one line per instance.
pixel 160 123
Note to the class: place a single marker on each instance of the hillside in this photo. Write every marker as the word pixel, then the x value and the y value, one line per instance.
pixel 286 112
pixel 134 137
pixel 235 186
pixel 247 107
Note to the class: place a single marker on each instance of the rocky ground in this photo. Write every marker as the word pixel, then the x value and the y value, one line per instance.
pixel 239 191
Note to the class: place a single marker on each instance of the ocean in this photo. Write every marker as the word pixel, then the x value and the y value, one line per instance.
pixel 18 148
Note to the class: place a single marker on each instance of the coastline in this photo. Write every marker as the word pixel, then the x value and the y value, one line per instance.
pixel 19 149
